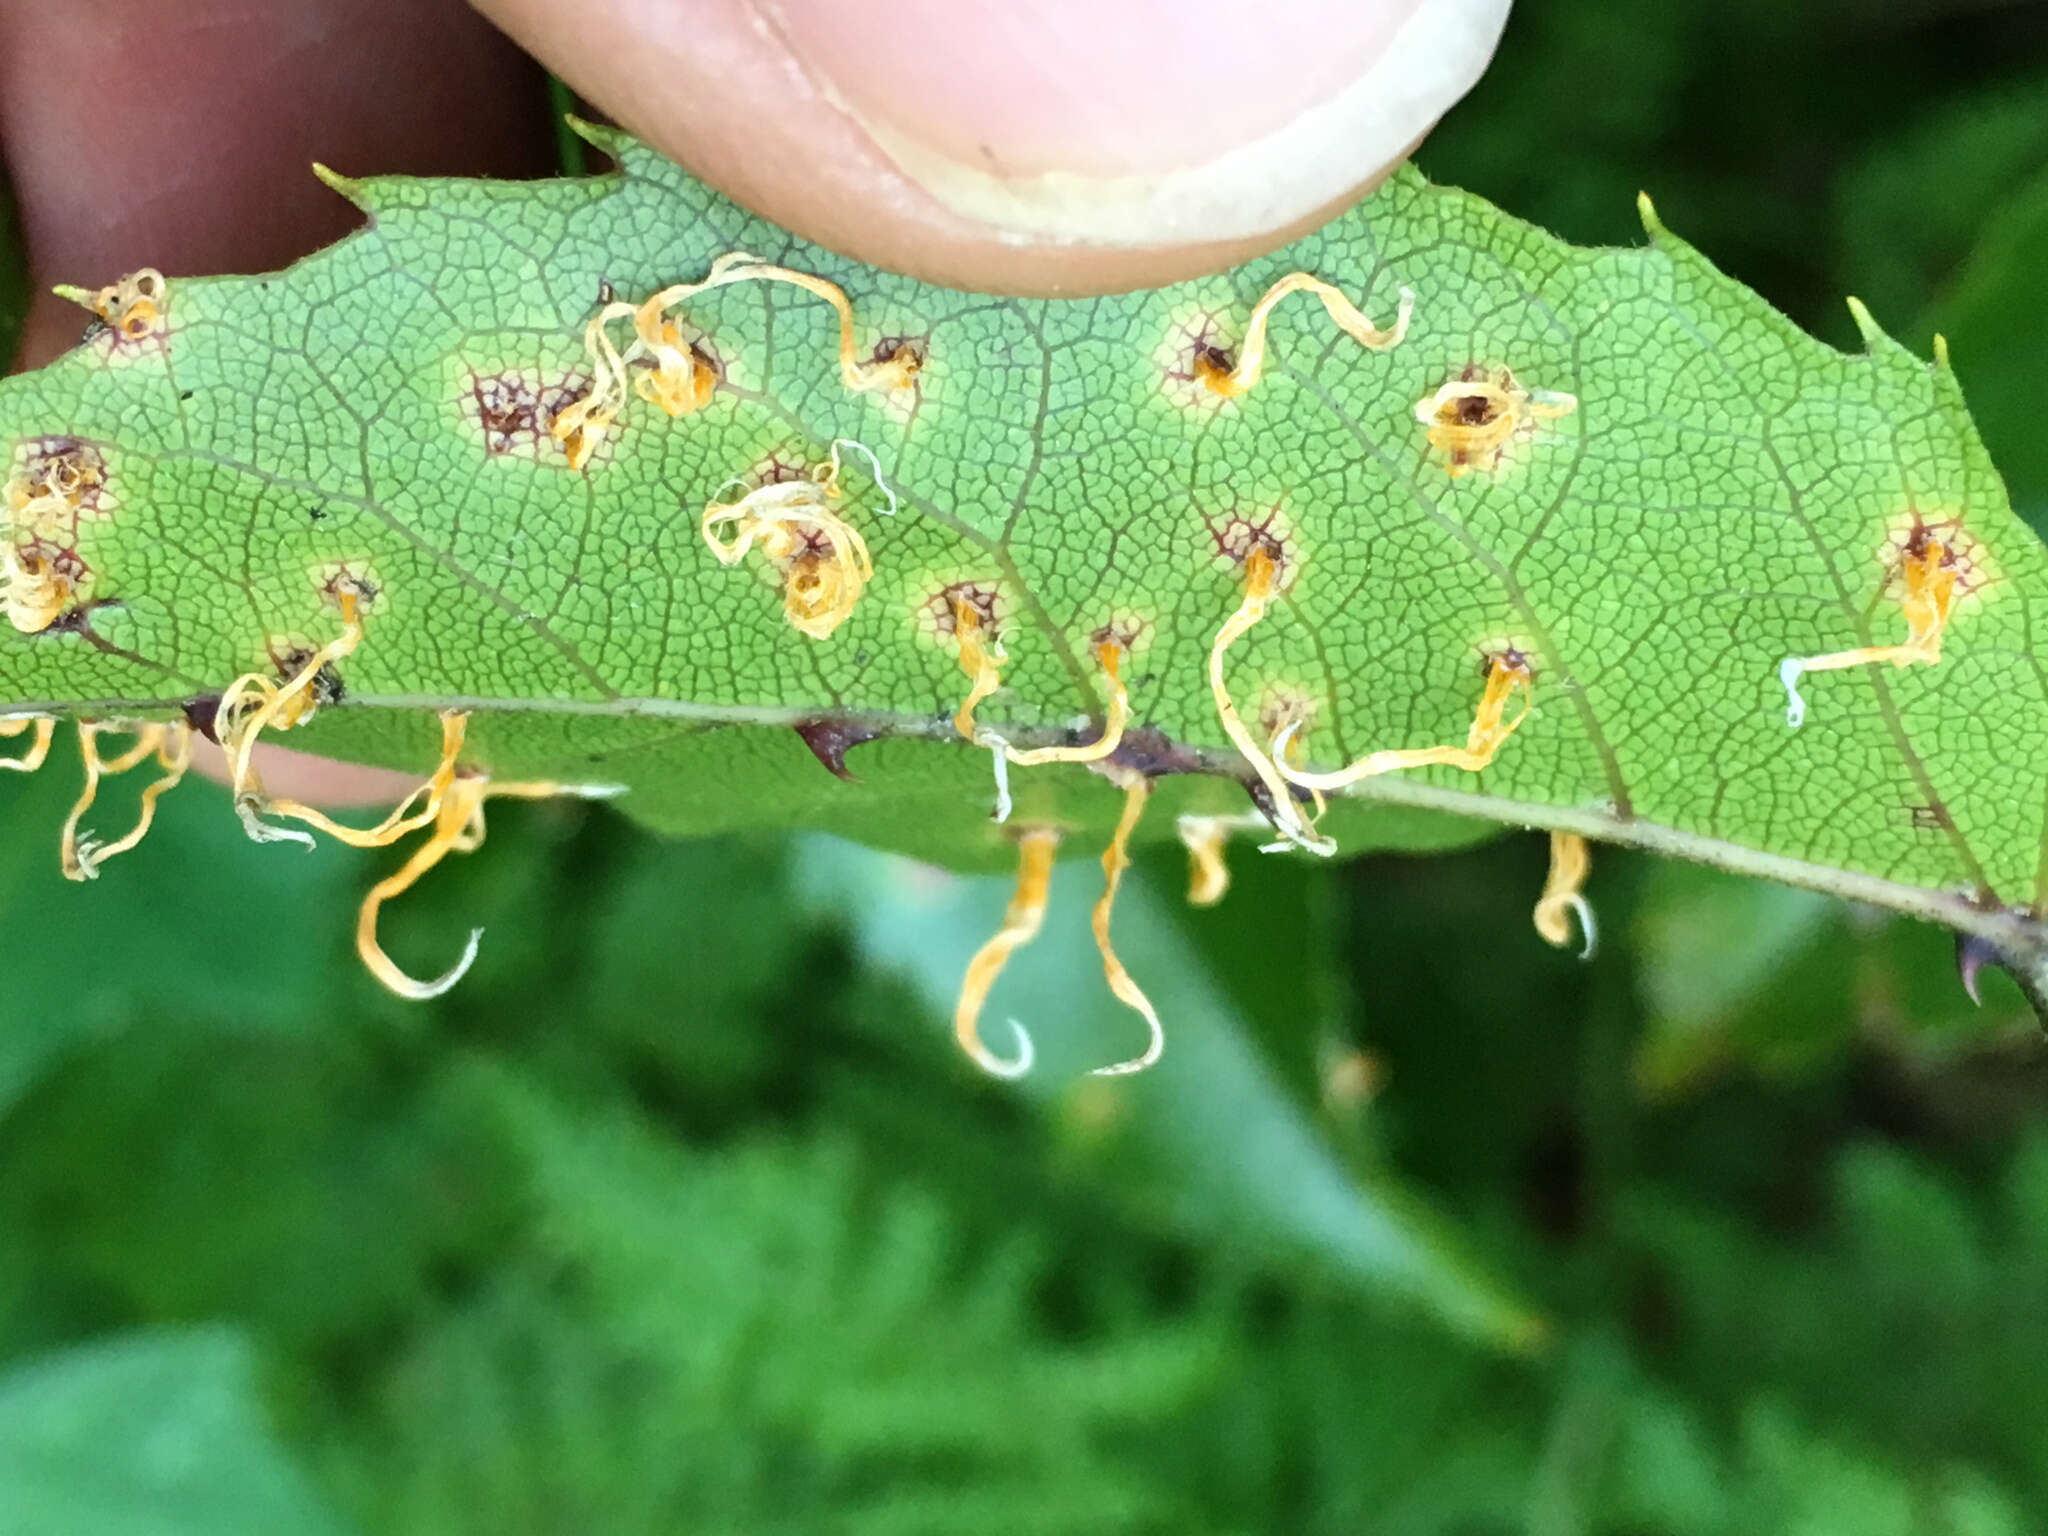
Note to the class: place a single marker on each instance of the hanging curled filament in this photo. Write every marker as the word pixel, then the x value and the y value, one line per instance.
pixel 1564 895
pixel 1928 573
pixel 80 856
pixel 1115 860
pixel 45 732
pixel 1021 922
pixel 458 827
pixel 1205 838
pixel 1251 361
pixel 1507 676
pixel 416 810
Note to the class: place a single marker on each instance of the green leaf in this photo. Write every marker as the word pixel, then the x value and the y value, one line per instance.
pixel 151 1434
pixel 1158 1133
pixel 1728 493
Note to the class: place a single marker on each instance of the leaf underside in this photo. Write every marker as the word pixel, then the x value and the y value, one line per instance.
pixel 1729 492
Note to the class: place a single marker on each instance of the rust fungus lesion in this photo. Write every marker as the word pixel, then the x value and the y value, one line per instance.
pixel 134 311
pixel 1933 566
pixel 513 408
pixel 820 557
pixel 42 581
pixel 1476 419
pixel 967 616
pixel 671 365
pixel 57 475
pixel 1199 347
pixel 52 484
pixel 968 613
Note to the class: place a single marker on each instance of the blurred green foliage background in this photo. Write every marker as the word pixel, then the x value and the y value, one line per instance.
pixel 683 1215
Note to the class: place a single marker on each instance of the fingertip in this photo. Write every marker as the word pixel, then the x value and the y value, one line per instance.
pixel 1096 145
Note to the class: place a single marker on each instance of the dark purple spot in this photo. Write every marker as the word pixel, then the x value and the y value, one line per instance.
pixel 831 739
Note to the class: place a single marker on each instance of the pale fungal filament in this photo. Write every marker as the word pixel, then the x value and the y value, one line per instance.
pixel 1929 573
pixel 1260 575
pixel 997 747
pixel 1109 655
pixel 680 380
pixel 40 582
pixel 1507 674
pixel 80 856
pixel 1563 895
pixel 896 371
pixel 1251 361
pixel 133 307
pixel 1115 860
pixel 254 703
pixel 1204 837
pixel 45 728
pixel 1473 418
pixel 401 820
pixel 1021 922
pixel 824 560
pixel 458 828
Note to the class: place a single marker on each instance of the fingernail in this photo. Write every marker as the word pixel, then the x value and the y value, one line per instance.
pixel 1140 121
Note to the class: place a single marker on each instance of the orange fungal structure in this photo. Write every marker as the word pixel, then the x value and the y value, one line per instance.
pixel 1261 578
pixel 44 729
pixel 1115 860
pixel 1507 675
pixel 458 827
pixel 1021 922
pixel 80 856
pixel 1564 895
